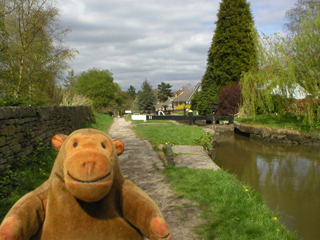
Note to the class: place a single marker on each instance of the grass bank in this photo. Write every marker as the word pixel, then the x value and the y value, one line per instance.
pixel 103 122
pixel 27 173
pixel 232 210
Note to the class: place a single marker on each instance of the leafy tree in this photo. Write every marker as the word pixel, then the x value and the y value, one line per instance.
pixel 232 51
pixel 288 64
pixel 146 97
pixel 304 49
pixel 97 85
pixel 301 9
pixel 123 100
pixel 275 76
pixel 164 91
pixel 126 101
pixel 33 56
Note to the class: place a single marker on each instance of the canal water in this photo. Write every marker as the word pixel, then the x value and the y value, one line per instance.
pixel 287 177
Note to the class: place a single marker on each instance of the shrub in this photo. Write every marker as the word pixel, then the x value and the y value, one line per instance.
pixel 182 106
pixel 229 100
pixel 10 101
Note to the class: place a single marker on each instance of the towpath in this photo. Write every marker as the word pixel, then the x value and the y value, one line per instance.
pixel 140 164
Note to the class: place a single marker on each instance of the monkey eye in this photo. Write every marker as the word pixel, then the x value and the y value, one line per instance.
pixel 75 144
pixel 104 146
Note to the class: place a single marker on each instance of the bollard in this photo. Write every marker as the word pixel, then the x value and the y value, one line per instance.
pixel 190 117
pixel 169 155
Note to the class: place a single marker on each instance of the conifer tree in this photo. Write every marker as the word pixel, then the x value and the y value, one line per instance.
pixel 232 51
pixel 164 91
pixel 146 97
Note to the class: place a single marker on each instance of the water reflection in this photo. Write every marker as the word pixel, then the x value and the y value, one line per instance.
pixel 288 177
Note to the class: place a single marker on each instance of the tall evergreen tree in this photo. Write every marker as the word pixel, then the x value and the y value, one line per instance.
pixel 146 97
pixel 232 51
pixel 132 91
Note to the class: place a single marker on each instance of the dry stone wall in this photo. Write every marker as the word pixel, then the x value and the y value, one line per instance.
pixel 21 128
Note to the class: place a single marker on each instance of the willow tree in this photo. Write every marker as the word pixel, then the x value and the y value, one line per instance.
pixel 298 12
pixel 287 66
pixel 33 55
pixel 232 51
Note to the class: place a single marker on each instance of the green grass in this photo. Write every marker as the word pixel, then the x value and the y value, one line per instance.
pixel 232 210
pixel 169 133
pixel 103 122
pixel 287 121
pixel 26 174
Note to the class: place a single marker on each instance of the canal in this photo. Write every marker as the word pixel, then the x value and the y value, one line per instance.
pixel 287 177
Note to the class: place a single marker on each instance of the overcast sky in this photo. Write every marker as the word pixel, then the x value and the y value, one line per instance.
pixel 158 40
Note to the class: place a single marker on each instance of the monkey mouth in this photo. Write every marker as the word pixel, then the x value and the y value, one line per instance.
pixel 90 181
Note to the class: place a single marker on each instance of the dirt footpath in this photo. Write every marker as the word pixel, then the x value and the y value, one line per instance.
pixel 141 165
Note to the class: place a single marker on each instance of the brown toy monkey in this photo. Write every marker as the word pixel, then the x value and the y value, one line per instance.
pixel 85 198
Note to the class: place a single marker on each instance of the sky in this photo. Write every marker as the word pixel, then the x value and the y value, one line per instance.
pixel 158 40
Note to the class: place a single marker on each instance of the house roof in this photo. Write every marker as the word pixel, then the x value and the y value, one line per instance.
pixel 186 96
pixel 167 102
pixel 183 97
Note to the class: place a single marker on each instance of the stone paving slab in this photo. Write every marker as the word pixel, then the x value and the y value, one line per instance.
pixel 193 157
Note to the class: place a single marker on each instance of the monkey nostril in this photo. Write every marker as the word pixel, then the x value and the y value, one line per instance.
pixel 89 163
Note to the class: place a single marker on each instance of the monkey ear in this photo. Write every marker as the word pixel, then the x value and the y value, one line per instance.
pixel 57 141
pixel 119 146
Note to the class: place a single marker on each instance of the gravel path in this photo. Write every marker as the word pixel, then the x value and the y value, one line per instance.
pixel 141 165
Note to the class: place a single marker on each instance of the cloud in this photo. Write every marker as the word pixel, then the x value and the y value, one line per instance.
pixel 162 41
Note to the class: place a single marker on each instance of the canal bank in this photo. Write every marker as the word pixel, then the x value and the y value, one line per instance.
pixel 277 135
pixel 286 175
